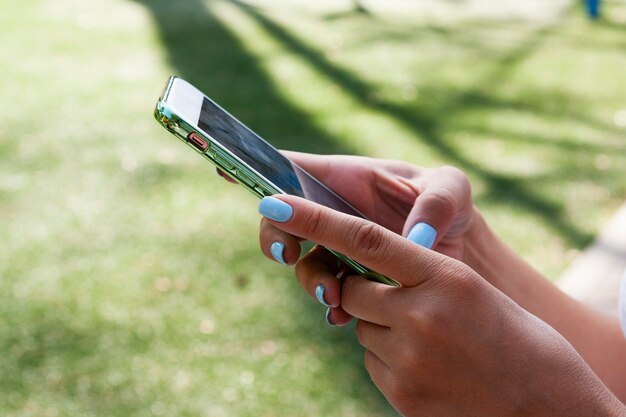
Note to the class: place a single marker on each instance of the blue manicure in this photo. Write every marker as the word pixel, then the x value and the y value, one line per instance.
pixel 277 249
pixel 328 317
pixel 275 209
pixel 319 294
pixel 423 234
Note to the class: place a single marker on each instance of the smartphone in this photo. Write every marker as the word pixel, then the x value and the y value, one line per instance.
pixel 243 155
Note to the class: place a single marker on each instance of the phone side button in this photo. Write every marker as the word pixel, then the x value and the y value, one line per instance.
pixel 244 178
pixel 224 163
pixel 197 141
pixel 261 191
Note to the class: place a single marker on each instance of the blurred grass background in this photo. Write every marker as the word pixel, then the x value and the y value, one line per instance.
pixel 131 283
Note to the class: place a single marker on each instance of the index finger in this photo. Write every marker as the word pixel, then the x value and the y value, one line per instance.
pixel 362 240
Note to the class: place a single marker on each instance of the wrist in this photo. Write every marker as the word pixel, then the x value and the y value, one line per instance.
pixel 498 264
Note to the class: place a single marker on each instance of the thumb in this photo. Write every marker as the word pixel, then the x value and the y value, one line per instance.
pixel 443 208
pixel 362 240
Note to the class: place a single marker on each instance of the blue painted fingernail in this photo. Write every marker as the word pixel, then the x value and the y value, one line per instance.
pixel 423 234
pixel 275 209
pixel 319 294
pixel 277 249
pixel 328 317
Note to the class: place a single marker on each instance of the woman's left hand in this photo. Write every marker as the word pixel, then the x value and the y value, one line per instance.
pixel 446 342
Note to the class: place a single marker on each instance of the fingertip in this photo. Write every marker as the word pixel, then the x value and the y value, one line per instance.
pixel 226 177
pixel 327 316
pixel 328 292
pixel 316 273
pixel 337 316
pixel 277 250
pixel 278 246
pixel 423 234
pixel 320 291
pixel 275 209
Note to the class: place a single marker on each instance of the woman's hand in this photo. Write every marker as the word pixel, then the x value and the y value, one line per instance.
pixel 446 343
pixel 432 207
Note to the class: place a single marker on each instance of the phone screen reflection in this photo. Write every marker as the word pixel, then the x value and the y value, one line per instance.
pixel 265 159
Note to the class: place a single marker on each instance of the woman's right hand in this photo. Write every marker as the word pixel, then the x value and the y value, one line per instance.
pixel 398 196
pixel 446 342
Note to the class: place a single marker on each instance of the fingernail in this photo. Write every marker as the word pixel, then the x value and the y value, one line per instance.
pixel 328 317
pixel 423 234
pixel 275 209
pixel 277 249
pixel 319 294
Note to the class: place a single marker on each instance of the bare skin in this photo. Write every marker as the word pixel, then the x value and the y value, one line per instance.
pixel 448 343
pixel 490 319
pixel 395 195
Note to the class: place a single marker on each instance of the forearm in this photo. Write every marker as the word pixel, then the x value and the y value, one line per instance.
pixel 597 337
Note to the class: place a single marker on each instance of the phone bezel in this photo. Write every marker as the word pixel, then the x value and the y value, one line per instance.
pixel 183 99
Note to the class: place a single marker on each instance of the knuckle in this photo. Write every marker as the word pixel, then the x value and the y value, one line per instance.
pixel 398 391
pixel 369 241
pixel 430 320
pixel 443 200
pixel 408 362
pixel 442 270
pixel 459 277
pixel 458 175
pixel 453 171
pixel 312 222
pixel 469 289
pixel 458 286
pixel 433 319
pixel 434 270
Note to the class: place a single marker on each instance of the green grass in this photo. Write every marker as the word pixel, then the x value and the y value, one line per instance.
pixel 131 283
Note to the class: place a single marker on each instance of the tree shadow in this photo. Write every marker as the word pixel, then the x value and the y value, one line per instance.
pixel 428 122
pixel 546 103
pixel 357 9
pixel 48 341
pixel 202 50
pixel 545 141
pixel 612 24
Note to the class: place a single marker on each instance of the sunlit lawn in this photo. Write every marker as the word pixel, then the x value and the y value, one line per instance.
pixel 131 283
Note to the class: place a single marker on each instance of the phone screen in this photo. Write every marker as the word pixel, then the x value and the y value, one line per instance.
pixel 265 159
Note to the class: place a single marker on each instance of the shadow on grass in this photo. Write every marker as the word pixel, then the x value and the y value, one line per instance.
pixel 202 50
pixel 357 9
pixel 428 121
pixel 48 340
